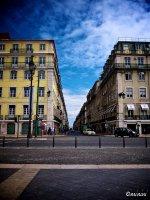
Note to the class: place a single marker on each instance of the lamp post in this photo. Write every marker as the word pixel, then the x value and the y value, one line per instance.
pixel 120 116
pixel 32 71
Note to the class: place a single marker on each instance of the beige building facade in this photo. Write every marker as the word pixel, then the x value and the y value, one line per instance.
pixel 48 101
pixel 121 97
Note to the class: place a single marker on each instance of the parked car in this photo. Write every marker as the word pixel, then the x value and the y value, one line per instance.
pixel 125 132
pixel 89 132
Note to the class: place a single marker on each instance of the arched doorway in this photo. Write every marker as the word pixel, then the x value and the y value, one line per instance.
pixel 25 127
pixel 11 128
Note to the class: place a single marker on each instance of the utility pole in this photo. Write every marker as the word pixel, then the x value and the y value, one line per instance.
pixel 37 106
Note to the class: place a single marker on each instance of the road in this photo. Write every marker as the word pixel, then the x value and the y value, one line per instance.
pixel 77 141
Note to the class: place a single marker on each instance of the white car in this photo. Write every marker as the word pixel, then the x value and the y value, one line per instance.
pixel 89 132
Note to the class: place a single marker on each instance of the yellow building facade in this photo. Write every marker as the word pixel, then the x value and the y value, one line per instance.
pixel 15 56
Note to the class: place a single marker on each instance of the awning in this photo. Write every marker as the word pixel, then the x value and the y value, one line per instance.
pixel 130 107
pixel 144 107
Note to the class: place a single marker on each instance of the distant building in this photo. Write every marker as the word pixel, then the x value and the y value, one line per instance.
pixel 15 55
pixel 121 97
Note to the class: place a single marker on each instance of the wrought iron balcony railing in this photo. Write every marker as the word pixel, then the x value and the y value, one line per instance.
pixel 24 117
pixel 21 117
pixel 131 66
pixel 42 117
pixel 137 51
pixel 10 117
pixel 138 117
pixel 23 65
pixel 21 51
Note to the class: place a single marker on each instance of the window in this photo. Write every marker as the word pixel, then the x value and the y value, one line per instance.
pixel 0 91
pixel 140 61
pixel 15 47
pixel 129 92
pixel 2 47
pixel 141 76
pixel 27 74
pixel 13 74
pixel 144 112
pixel 12 92
pixel 41 110
pixel 125 47
pixel 142 92
pixel 130 113
pixel 127 60
pixel 42 60
pixel 1 60
pixel 128 76
pixel 26 92
pixel 15 60
pixel 41 74
pixel 41 91
pixel 29 47
pixel 27 60
pixel 0 109
pixel 11 109
pixel 1 74
pixel 42 46
pixel 26 110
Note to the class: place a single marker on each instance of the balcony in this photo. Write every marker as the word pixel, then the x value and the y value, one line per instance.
pixel 24 117
pixel 14 65
pixel 1 65
pixel 131 66
pixel 23 65
pixel 10 117
pixel 42 117
pixel 138 117
pixel 133 51
pixel 21 51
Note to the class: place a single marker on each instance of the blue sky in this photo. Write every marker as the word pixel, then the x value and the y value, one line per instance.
pixel 85 31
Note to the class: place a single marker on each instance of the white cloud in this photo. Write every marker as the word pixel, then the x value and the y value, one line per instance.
pixel 90 32
pixel 74 101
pixel 107 20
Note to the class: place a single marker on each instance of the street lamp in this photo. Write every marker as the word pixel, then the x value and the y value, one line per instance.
pixel 32 71
pixel 122 94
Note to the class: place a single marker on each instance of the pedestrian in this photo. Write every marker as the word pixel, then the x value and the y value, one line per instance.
pixel 49 132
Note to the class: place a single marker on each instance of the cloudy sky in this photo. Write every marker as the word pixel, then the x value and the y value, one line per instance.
pixel 85 31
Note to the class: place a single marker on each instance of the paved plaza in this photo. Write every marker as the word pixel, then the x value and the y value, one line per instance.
pixel 62 171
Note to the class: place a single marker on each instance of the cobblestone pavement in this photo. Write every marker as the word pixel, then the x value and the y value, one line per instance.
pixel 76 184
pixel 76 156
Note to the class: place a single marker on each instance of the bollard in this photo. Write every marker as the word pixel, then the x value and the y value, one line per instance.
pixel 53 141
pixel 99 142
pixel 27 142
pixel 4 141
pixel 75 142
pixel 123 142
pixel 146 142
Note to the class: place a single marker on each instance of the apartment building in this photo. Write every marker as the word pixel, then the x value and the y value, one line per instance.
pixel 121 96
pixel 48 102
